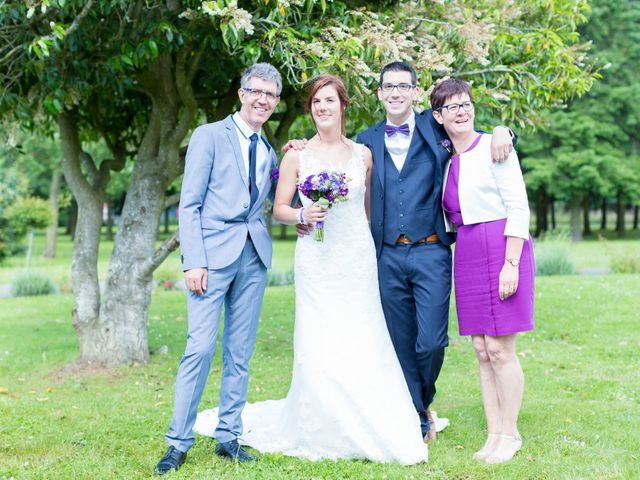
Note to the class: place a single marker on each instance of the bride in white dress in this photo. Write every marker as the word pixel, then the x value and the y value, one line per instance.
pixel 348 397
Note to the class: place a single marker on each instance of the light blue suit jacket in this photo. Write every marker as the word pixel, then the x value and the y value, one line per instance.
pixel 215 212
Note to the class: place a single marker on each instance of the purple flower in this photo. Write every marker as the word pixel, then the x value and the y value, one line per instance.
pixel 447 145
pixel 275 174
pixel 332 187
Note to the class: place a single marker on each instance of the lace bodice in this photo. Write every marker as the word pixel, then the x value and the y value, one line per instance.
pixel 346 220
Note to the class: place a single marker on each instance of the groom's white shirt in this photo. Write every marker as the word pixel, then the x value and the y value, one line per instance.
pixel 398 145
pixel 262 153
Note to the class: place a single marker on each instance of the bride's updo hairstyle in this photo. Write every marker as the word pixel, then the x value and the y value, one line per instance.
pixel 325 80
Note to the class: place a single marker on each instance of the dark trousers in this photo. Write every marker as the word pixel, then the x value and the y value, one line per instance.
pixel 415 286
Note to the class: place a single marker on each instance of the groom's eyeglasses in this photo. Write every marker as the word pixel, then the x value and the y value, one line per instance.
pixel 257 93
pixel 454 108
pixel 402 87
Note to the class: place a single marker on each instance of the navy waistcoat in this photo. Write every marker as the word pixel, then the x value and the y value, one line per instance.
pixel 410 200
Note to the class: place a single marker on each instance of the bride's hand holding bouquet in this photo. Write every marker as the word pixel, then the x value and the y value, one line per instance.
pixel 324 189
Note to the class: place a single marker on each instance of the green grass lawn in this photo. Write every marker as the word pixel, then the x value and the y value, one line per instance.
pixel 579 419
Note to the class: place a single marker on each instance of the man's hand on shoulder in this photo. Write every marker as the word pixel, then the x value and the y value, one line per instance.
pixel 501 144
pixel 196 280
pixel 295 144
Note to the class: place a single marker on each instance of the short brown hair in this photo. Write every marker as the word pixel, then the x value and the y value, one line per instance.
pixel 446 89
pixel 325 80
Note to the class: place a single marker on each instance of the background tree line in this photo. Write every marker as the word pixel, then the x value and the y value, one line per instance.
pixel 586 154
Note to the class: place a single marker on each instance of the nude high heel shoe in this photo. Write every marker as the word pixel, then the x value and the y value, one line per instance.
pixel 506 449
pixel 485 451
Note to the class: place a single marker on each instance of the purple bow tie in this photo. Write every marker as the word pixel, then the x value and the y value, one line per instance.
pixel 391 130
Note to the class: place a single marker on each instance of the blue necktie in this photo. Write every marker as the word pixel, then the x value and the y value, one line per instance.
pixel 391 130
pixel 253 188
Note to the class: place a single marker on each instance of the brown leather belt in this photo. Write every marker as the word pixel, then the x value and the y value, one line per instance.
pixel 403 239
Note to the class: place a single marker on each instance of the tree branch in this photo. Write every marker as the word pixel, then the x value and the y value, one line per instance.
pixel 171 200
pixel 497 69
pixel 76 21
pixel 83 13
pixel 86 160
pixel 226 103
pixel 160 255
pixel 71 150
pixel 294 108
pixel 184 86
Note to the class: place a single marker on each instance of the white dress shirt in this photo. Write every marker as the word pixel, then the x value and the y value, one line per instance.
pixel 398 145
pixel 262 151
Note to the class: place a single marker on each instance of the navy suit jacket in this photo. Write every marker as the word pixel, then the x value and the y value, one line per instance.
pixel 433 133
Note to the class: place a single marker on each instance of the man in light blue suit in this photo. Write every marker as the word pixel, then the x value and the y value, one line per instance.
pixel 226 250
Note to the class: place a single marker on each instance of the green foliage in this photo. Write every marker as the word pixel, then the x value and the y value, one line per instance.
pixel 553 260
pixel 13 186
pixel 590 149
pixel 31 283
pixel 520 57
pixel 552 254
pixel 29 212
pixel 625 263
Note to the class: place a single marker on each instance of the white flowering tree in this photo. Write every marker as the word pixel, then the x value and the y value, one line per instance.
pixel 140 74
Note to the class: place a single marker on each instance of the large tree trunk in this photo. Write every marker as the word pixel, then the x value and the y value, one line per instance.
pixel 575 209
pixel 84 271
pixel 166 220
pixel 586 204
pixel 115 333
pixel 552 205
pixel 620 209
pixel 603 219
pixel 120 337
pixel 542 207
pixel 635 217
pixel 73 218
pixel 128 291
pixel 52 230
pixel 109 202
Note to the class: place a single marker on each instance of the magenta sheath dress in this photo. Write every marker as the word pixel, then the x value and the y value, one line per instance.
pixel 479 257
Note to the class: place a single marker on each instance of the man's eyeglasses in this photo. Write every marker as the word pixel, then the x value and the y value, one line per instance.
pixel 257 93
pixel 454 108
pixel 402 87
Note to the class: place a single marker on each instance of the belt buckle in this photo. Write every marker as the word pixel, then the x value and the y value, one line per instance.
pixel 403 240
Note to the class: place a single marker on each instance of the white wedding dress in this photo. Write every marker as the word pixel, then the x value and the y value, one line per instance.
pixel 348 397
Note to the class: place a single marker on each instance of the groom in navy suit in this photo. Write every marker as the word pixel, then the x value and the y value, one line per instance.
pixel 407 224
pixel 226 250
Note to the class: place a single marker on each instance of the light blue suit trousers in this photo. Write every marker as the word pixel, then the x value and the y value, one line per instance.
pixel 240 288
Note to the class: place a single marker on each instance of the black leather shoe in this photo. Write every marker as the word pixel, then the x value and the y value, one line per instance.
pixel 234 451
pixel 171 461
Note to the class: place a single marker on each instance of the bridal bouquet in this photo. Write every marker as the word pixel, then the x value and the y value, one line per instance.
pixel 326 188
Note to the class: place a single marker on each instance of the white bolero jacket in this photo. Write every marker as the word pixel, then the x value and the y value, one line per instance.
pixel 491 191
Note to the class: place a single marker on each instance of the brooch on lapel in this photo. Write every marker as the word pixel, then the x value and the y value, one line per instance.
pixel 447 145
pixel 274 174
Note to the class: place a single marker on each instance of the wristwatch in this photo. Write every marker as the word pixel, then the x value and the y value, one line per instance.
pixel 513 261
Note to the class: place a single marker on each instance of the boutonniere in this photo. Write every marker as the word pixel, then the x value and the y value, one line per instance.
pixel 275 174
pixel 447 145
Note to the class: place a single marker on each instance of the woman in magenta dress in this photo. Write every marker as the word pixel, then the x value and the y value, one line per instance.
pixel 486 203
